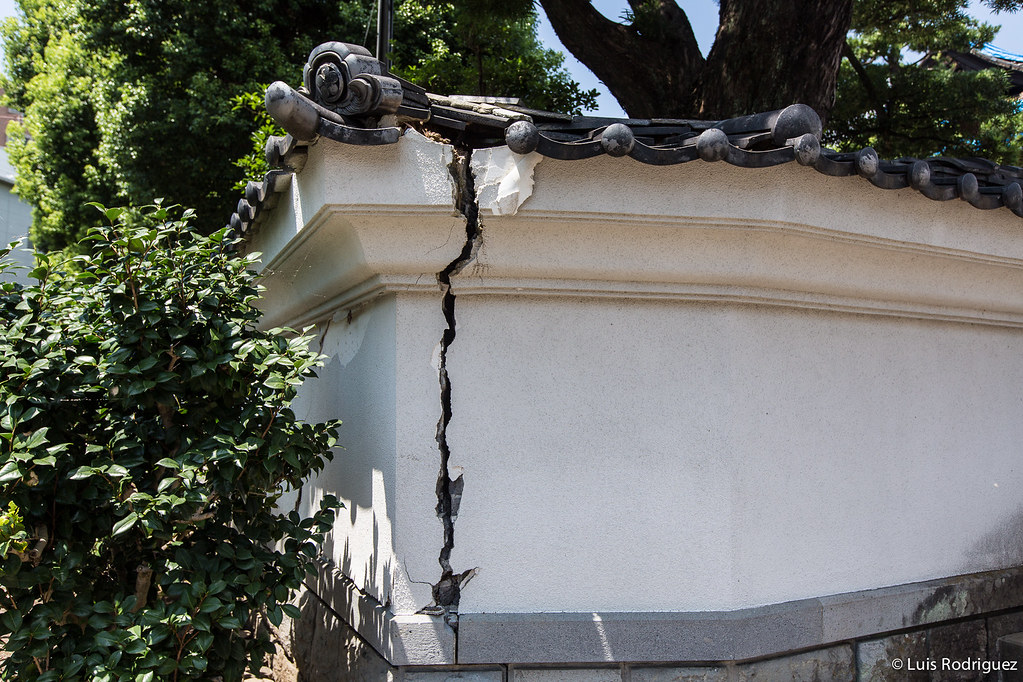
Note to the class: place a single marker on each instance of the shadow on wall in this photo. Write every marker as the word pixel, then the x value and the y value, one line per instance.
pixel 324 647
pixel 322 644
pixel 1001 547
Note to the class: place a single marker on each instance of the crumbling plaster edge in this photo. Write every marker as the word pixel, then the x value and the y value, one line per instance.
pixel 503 180
pixel 449 488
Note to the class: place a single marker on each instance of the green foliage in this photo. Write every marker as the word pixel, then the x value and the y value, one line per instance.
pixel 254 165
pixel 146 436
pixel 13 537
pixel 130 99
pixel 898 94
pixel 482 47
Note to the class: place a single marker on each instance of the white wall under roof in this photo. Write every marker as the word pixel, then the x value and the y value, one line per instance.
pixel 686 388
pixel 15 218
pixel 663 456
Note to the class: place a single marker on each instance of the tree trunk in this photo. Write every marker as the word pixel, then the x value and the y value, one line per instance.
pixel 650 66
pixel 767 54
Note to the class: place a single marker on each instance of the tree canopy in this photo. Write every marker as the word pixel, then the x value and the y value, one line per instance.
pixel 885 60
pixel 898 90
pixel 129 100
pixel 766 55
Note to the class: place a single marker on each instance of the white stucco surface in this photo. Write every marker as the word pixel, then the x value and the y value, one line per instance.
pixel 354 247
pixel 721 388
pixel 724 456
pixel 680 388
pixel 355 221
pixel 386 471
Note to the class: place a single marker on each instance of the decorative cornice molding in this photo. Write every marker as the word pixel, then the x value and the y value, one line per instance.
pixel 725 294
pixel 656 257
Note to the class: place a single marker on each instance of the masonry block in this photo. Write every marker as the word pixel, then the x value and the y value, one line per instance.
pixel 874 658
pixel 833 664
pixel 958 643
pixel 684 674
pixel 576 675
pixel 325 649
pixel 1000 626
pixel 1010 648
pixel 491 675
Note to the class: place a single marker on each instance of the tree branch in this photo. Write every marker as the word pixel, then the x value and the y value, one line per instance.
pixel 650 72
pixel 143 579
pixel 864 77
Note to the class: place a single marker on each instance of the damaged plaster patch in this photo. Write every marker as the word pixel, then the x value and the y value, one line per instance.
pixel 503 179
pixel 447 590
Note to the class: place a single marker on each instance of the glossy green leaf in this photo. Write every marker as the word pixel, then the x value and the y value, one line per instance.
pixel 125 524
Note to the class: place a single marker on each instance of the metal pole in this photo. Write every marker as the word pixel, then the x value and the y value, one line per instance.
pixel 385 29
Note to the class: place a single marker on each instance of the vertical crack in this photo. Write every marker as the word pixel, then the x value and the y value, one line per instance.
pixel 446 591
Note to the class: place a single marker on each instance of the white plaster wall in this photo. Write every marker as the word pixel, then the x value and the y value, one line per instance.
pixel 412 173
pixel 665 396
pixel 354 246
pixel 354 222
pixel 619 190
pixel 380 380
pixel 630 456
pixel 686 388
pixel 358 384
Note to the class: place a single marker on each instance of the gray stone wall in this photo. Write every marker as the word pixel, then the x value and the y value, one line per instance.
pixel 958 628
pixel 324 649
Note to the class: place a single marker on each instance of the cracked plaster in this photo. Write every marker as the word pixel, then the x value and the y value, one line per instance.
pixel 672 306
pixel 504 179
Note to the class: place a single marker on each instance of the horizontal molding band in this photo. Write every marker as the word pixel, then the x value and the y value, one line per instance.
pixel 398 212
pixel 742 295
pixel 361 294
pixel 467 286
pixel 732 282
pixel 544 638
pixel 355 212
pixel 623 220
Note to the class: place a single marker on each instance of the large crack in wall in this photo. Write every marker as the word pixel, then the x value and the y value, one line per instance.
pixel 446 592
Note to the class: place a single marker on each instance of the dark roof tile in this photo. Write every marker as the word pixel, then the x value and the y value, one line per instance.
pixel 369 105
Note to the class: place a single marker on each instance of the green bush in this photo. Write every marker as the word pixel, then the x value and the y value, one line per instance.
pixel 146 438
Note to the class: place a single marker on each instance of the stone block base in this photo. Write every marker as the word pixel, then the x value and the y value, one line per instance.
pixel 962 628
pixel 324 649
